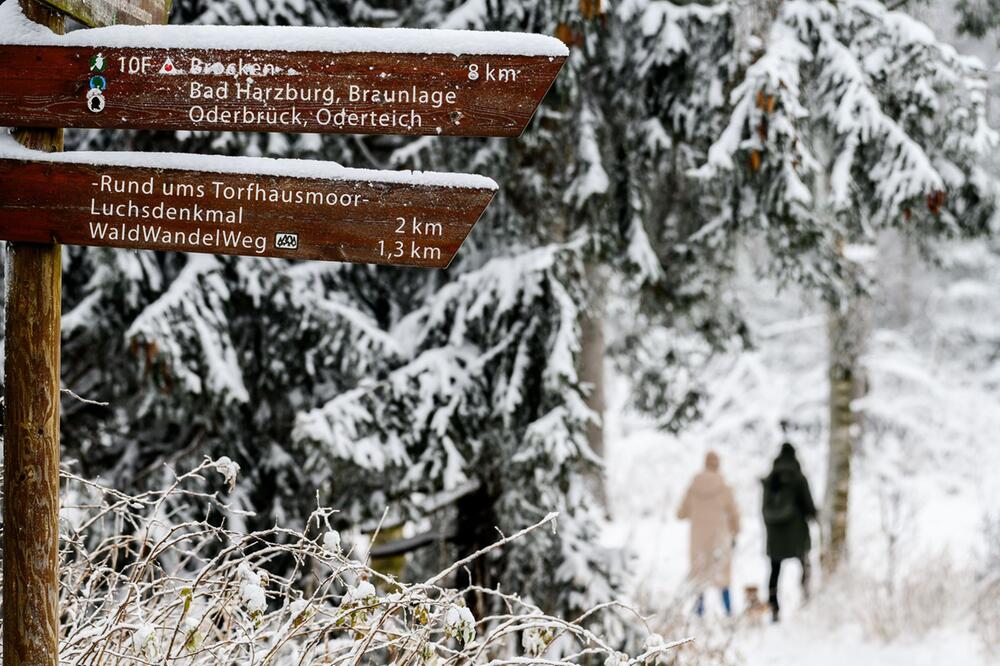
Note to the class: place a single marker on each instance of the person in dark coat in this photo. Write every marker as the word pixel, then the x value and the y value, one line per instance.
pixel 787 507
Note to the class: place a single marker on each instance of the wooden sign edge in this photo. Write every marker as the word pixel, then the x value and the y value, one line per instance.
pixel 493 194
pixel 538 104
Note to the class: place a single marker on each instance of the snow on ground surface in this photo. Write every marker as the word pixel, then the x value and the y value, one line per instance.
pixel 924 482
pixel 323 170
pixel 802 642
pixel 18 30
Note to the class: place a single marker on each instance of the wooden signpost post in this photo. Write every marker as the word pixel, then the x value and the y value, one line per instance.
pixel 358 81
pixel 32 338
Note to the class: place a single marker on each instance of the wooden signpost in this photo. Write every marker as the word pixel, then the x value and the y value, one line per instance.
pixel 358 81
pixel 171 80
pixel 354 215
pixel 32 335
pixel 98 13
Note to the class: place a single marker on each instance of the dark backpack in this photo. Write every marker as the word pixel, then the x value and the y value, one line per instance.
pixel 779 501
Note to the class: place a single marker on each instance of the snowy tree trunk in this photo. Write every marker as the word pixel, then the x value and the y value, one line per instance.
pixel 993 112
pixel 846 331
pixel 760 14
pixel 476 528
pixel 841 444
pixel 592 352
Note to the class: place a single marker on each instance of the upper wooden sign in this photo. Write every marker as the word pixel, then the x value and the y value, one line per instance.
pixel 101 13
pixel 242 206
pixel 281 79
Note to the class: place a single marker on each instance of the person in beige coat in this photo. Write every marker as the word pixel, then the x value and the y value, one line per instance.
pixel 715 522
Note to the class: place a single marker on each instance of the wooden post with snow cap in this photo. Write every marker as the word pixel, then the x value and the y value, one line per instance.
pixel 31 431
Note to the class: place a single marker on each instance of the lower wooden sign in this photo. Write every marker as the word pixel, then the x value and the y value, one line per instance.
pixel 290 209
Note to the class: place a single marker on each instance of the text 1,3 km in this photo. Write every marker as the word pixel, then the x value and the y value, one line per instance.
pixel 402 249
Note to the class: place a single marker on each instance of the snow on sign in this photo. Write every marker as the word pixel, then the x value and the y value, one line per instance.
pixel 99 13
pixel 242 206
pixel 282 79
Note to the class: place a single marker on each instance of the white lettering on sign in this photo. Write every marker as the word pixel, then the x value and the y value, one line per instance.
pixel 266 102
pixel 217 216
pixel 344 118
pixel 413 95
pixel 236 69
pixel 154 234
pixel 245 115
pixel 136 65
pixel 414 249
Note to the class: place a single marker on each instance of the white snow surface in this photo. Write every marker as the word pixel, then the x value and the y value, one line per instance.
pixel 19 30
pixel 11 149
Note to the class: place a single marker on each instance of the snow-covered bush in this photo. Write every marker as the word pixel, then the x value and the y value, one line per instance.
pixel 139 587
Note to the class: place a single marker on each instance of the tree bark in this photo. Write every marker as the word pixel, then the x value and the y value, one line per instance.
pixel 31 432
pixel 592 353
pixel 847 383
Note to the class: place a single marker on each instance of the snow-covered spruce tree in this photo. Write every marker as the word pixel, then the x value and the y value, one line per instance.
pixel 683 62
pixel 852 119
pixel 636 107
pixel 593 172
pixel 488 410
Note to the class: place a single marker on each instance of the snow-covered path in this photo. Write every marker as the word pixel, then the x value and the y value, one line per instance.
pixel 920 497
pixel 799 642
pixel 810 635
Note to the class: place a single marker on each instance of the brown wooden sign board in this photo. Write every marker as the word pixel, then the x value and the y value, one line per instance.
pixel 101 13
pixel 353 220
pixel 272 91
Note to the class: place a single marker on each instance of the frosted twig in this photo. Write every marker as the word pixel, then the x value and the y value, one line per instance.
pixel 85 401
pixel 496 544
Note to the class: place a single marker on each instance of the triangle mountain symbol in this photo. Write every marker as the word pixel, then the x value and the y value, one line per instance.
pixel 169 67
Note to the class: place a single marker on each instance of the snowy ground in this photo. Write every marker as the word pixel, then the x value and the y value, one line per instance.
pixel 923 486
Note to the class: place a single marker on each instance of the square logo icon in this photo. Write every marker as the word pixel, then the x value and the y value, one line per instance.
pixel 286 241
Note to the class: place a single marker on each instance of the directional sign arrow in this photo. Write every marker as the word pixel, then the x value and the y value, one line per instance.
pixel 100 13
pixel 291 209
pixel 337 80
